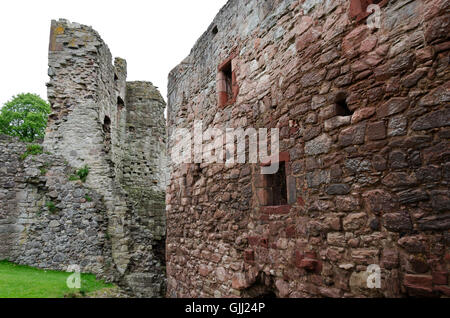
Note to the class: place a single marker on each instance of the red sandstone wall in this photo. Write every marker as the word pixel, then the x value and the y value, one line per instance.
pixel 370 188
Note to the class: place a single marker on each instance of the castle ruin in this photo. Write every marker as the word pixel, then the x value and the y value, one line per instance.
pixel 114 224
pixel 361 104
pixel 363 112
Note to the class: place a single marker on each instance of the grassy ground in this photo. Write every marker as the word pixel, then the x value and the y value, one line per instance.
pixel 26 282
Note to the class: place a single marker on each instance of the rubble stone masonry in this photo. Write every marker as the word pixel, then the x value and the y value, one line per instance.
pixel 114 224
pixel 364 130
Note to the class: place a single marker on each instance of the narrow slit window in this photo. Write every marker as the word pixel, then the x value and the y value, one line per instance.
pixel 228 74
pixel 120 103
pixel 227 87
pixel 279 187
pixel 107 131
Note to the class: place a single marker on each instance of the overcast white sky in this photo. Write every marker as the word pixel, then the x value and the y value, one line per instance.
pixel 153 36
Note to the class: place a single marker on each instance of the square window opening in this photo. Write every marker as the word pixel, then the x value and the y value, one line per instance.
pixel 275 188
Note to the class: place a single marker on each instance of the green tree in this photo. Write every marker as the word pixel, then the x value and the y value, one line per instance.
pixel 25 116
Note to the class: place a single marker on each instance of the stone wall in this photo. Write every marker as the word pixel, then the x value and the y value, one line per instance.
pixel 8 211
pixel 116 129
pixel 363 117
pixel 46 220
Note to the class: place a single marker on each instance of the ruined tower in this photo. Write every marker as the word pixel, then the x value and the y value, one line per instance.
pixel 113 224
pixel 117 130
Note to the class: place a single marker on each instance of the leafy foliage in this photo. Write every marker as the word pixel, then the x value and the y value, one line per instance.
pixel 44 168
pixel 74 178
pixel 83 173
pixel 32 150
pixel 25 116
pixel 51 207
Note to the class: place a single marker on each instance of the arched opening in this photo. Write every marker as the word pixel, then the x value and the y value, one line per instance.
pixel 262 288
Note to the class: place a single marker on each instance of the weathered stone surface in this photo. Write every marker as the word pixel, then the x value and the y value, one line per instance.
pixel 49 224
pixel 397 222
pixel 338 189
pixel 436 119
pixel 376 131
pixel 352 136
pixel 318 177
pixel 318 146
pixel 437 28
pixel 395 66
pixel 435 223
pixel 354 221
pixel 379 202
pixel 390 259
pixel 413 196
pixel 429 174
pixel 440 95
pixel 412 79
pixel 336 239
pixel 414 244
pixel 358 282
pixel 440 200
pixel 398 159
pixel 365 256
pixel 362 114
pixel 337 122
pixel 399 179
pixel 397 126
pixel 347 203
pixel 312 78
pixel 114 224
pixel 419 285
pixel 392 107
